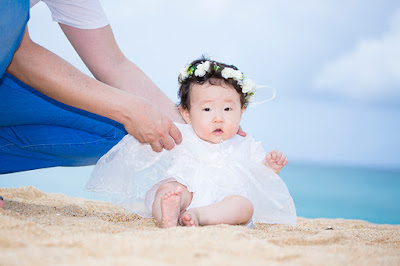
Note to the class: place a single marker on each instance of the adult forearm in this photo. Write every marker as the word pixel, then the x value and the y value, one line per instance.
pixel 129 77
pixel 101 54
pixel 56 78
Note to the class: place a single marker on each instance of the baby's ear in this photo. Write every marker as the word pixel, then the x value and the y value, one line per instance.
pixel 185 114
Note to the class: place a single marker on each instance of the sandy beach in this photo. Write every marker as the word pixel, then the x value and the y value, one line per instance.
pixel 39 228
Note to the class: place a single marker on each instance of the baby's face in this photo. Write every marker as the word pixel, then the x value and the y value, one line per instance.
pixel 215 112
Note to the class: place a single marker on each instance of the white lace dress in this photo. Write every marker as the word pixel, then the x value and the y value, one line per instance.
pixel 130 173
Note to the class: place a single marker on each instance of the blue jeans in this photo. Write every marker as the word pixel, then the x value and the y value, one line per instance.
pixel 37 131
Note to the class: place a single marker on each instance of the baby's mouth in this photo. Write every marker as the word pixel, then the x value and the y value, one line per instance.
pixel 218 131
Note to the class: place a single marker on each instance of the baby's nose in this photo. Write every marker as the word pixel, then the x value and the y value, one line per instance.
pixel 218 117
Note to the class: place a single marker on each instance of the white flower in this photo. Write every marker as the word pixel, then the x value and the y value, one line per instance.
pixel 200 72
pixel 184 73
pixel 202 69
pixel 248 86
pixel 206 65
pixel 238 76
pixel 232 73
pixel 227 72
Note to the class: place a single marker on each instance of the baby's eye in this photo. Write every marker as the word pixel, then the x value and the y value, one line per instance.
pixel 227 109
pixel 207 109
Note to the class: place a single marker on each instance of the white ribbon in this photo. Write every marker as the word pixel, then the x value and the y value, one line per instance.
pixel 254 104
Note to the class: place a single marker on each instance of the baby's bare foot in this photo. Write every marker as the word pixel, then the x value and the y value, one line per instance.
pixel 189 218
pixel 170 208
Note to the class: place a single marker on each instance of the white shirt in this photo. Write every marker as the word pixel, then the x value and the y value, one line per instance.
pixel 82 14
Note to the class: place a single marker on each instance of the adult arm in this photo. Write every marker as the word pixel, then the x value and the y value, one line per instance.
pixel 101 54
pixel 56 78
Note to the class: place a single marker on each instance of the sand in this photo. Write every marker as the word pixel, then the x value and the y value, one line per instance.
pixel 39 228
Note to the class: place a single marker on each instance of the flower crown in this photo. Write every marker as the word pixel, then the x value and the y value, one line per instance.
pixel 200 70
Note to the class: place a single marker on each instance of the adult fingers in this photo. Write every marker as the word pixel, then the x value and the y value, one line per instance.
pixel 167 143
pixel 156 146
pixel 175 134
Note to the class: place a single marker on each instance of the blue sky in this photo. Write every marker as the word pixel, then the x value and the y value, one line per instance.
pixel 335 66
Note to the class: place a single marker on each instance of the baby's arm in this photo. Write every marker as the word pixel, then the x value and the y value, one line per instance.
pixel 275 160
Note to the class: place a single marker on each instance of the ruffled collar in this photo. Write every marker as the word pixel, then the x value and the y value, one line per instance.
pixel 206 151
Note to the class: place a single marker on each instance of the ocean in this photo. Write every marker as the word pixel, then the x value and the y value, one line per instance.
pixel 318 191
pixel 344 192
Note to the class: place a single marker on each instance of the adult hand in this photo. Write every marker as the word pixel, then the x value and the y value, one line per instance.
pixel 241 132
pixel 148 125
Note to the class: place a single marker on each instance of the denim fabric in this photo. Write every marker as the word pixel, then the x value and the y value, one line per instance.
pixel 14 15
pixel 37 131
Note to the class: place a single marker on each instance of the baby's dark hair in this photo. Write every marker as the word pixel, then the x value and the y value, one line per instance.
pixel 213 77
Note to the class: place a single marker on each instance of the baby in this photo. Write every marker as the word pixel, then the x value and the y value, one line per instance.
pixel 214 176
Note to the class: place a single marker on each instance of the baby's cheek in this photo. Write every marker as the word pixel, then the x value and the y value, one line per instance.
pixel 232 132
pixel 202 132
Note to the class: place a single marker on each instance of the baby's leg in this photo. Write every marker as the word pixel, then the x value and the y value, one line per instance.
pixel 230 210
pixel 170 200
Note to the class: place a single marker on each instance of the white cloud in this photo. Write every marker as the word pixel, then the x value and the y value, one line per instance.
pixel 370 71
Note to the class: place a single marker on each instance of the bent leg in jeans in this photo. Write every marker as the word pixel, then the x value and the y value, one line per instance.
pixel 37 131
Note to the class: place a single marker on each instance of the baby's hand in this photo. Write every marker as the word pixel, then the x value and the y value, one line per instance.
pixel 275 160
